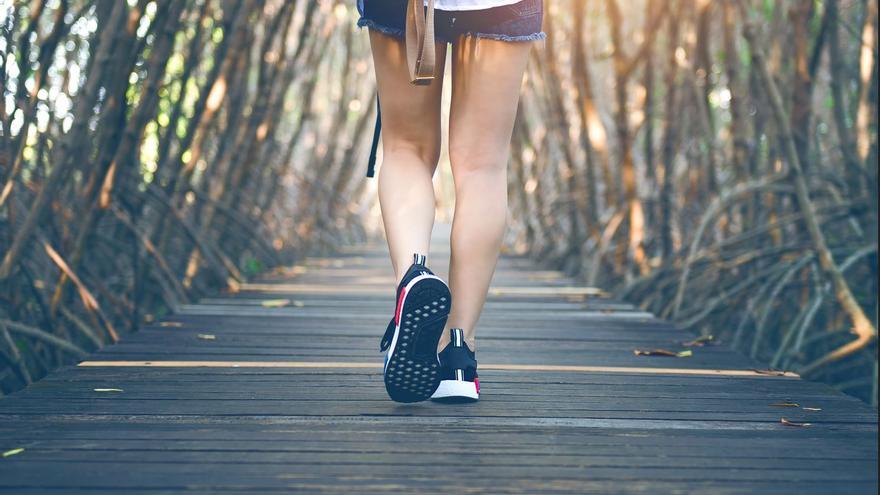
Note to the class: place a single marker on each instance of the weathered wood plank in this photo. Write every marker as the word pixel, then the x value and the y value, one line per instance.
pixel 293 401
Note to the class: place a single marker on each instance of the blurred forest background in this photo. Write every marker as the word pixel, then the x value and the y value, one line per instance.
pixel 712 161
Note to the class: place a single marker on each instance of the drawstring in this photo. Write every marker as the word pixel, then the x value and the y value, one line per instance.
pixel 371 165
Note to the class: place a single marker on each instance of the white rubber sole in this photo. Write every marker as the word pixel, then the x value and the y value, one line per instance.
pixel 455 389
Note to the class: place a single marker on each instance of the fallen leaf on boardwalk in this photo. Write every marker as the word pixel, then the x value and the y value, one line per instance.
pixel 299 304
pixel 769 372
pixel 812 409
pixel 109 390
pixel 786 404
pixel 10 453
pixel 792 423
pixel 175 324
pixel 700 341
pixel 655 352
pixel 662 352
pixel 276 303
pixel 206 336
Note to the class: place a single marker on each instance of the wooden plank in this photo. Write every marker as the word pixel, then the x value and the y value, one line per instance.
pixel 382 288
pixel 291 399
pixel 488 366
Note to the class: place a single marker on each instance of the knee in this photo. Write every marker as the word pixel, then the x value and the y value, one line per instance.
pixel 424 149
pixel 476 159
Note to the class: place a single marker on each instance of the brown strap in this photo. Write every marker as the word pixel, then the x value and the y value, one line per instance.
pixel 420 41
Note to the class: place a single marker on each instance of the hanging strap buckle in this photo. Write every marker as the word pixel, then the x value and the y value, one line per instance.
pixel 420 42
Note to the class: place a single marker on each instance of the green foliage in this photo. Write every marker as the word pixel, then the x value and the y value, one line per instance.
pixel 253 266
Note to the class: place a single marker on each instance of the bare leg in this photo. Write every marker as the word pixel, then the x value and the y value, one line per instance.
pixel 411 148
pixel 486 83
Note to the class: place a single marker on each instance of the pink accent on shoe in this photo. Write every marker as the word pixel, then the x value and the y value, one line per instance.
pixel 477 384
pixel 399 307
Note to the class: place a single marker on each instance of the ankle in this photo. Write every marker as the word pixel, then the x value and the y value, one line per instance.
pixel 446 339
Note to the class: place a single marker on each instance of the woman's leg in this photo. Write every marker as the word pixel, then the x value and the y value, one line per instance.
pixel 486 83
pixel 411 148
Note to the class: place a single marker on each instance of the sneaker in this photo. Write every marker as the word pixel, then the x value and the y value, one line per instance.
pixel 412 370
pixel 458 368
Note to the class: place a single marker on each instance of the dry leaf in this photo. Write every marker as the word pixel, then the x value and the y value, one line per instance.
pixel 175 324
pixel 786 404
pixel 10 453
pixel 108 390
pixel 812 409
pixel 662 352
pixel 769 372
pixel 206 336
pixel 792 423
pixel 299 304
pixel 275 303
pixel 655 352
pixel 700 341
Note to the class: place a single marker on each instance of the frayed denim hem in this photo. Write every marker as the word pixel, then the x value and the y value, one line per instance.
pixel 504 37
pixel 363 21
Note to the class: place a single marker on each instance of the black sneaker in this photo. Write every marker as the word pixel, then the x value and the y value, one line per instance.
pixel 458 368
pixel 412 370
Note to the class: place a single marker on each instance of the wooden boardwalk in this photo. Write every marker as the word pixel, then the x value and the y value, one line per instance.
pixel 240 394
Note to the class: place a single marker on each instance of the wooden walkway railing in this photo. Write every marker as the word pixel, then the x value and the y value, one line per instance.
pixel 279 389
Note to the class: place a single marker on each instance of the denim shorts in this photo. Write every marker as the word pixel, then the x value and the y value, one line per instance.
pixel 520 21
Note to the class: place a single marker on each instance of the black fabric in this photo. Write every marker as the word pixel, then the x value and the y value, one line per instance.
pixel 374 148
pixel 450 24
pixel 469 375
pixel 458 358
pixel 454 357
pixel 389 334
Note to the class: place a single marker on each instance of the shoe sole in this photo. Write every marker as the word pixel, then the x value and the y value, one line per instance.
pixel 452 391
pixel 412 370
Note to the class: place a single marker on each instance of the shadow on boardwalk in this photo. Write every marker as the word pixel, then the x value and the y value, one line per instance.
pixel 279 388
